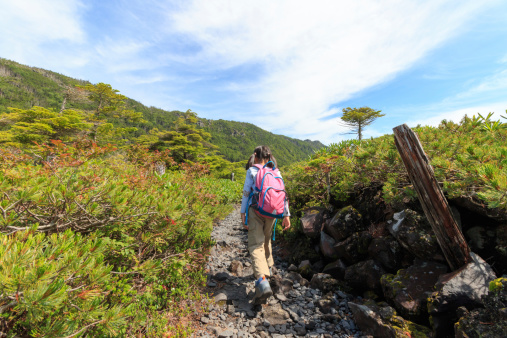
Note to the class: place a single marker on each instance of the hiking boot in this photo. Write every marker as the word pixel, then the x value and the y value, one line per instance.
pixel 262 291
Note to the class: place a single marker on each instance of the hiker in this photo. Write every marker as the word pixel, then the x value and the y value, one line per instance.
pixel 259 225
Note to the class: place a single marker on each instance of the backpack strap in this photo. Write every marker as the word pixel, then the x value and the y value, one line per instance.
pixel 273 163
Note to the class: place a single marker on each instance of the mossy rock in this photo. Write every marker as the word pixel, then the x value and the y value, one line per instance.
pixel 344 223
pixel 408 290
pixel 413 231
pixel 381 320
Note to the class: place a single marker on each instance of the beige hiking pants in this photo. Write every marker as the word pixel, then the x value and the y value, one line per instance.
pixel 260 230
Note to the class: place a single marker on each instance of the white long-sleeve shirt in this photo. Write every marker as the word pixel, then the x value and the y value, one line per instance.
pixel 249 186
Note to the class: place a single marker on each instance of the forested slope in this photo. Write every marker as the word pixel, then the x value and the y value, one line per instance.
pixel 235 139
pixel 24 87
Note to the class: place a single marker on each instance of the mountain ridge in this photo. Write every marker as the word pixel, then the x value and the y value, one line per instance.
pixel 23 86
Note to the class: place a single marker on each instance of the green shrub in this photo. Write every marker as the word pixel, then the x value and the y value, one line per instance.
pixel 155 229
pixel 469 160
pixel 56 286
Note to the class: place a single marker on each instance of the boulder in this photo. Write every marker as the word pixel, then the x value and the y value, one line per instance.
pixel 344 223
pixel 318 266
pixel 490 321
pixel 355 248
pixel 479 238
pixel 305 268
pixel 364 276
pixel 275 315
pixel 501 248
pixel 312 221
pixel 414 233
pixel 463 287
pixel 326 303
pixel 324 282
pixel 294 276
pixel 236 268
pixel 472 203
pixel 382 321
pixel 280 285
pixel 222 276
pixel 410 288
pixel 335 269
pixel 490 241
pixel 327 246
pixel 387 251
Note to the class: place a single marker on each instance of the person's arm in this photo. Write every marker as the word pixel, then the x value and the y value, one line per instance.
pixel 286 211
pixel 247 189
pixel 286 222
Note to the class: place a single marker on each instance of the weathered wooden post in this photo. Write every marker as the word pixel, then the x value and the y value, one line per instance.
pixel 434 203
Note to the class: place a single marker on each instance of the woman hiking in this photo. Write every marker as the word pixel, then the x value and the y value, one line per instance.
pixel 255 219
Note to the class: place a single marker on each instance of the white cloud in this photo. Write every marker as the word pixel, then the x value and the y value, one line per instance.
pixel 27 25
pixel 434 119
pixel 481 98
pixel 316 54
pixel 491 84
pixel 308 56
pixel 123 55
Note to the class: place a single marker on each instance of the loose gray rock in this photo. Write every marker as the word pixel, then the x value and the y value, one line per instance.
pixel 294 305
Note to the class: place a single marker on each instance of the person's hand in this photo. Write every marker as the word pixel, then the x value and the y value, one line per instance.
pixel 243 221
pixel 286 223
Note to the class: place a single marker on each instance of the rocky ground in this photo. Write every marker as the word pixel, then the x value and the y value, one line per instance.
pixel 298 307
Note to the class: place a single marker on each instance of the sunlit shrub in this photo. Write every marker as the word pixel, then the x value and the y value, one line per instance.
pixel 155 228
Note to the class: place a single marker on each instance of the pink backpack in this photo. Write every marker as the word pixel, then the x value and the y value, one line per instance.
pixel 269 193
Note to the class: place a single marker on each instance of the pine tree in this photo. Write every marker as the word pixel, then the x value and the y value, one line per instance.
pixel 187 143
pixel 358 118
pixel 110 105
pixel 41 125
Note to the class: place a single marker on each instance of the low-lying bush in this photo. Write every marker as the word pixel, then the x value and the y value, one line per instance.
pixel 154 233
pixel 469 159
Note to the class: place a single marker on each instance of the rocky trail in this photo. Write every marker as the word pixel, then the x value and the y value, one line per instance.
pixel 297 308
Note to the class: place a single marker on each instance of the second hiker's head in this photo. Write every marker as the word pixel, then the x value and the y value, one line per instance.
pixel 263 153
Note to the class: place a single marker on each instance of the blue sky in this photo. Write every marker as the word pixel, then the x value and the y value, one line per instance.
pixel 288 66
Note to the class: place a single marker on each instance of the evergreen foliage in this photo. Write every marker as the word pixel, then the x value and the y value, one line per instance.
pixel 39 125
pixel 120 120
pixel 141 259
pixel 56 286
pixel 185 141
pixel 469 159
pixel 24 87
pixel 358 118
pixel 237 140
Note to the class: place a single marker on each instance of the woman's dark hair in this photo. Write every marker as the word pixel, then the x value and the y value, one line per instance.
pixel 264 153
pixel 251 162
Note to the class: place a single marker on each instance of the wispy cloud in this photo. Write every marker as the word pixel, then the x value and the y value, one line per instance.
pixel 491 84
pixel 28 25
pixel 123 55
pixel 285 65
pixel 456 115
pixel 451 108
pixel 317 54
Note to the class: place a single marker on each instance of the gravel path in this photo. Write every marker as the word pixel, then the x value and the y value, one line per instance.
pixel 295 310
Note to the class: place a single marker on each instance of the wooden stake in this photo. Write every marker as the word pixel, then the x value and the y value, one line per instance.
pixel 434 203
